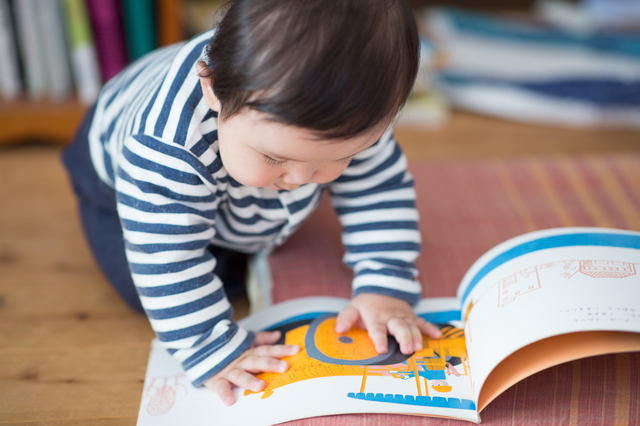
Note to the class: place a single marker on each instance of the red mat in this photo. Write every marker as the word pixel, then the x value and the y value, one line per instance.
pixel 465 209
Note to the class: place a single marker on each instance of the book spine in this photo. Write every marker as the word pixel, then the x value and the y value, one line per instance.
pixel 10 84
pixel 51 37
pixel 84 60
pixel 30 51
pixel 140 29
pixel 170 14
pixel 108 31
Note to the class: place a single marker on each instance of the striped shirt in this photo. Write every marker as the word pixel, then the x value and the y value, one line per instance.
pixel 154 140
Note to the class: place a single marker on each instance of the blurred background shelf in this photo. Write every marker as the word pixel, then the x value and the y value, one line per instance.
pixel 55 122
pixel 26 119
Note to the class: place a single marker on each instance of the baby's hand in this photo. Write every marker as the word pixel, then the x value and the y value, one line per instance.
pixel 381 315
pixel 263 356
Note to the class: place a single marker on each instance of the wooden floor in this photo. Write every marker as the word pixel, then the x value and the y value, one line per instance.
pixel 71 353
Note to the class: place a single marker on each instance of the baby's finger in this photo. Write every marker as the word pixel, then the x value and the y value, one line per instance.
pixel 378 334
pixel 401 330
pixel 266 338
pixel 417 337
pixel 242 379
pixel 223 388
pixel 429 329
pixel 346 319
pixel 276 351
pixel 263 364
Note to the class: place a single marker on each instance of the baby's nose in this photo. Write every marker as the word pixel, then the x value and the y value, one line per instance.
pixel 299 175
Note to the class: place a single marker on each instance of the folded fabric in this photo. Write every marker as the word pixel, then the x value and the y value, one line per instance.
pixel 521 71
pixel 601 92
pixel 481 25
pixel 567 102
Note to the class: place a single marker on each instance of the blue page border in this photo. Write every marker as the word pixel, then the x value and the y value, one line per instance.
pixel 442 317
pixel 566 240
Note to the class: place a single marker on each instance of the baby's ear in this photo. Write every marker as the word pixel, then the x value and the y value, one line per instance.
pixel 206 83
pixel 202 68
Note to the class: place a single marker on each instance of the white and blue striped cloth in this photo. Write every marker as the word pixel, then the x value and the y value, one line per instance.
pixel 154 140
pixel 538 74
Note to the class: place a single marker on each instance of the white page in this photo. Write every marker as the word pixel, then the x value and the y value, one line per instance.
pixel 170 399
pixel 549 283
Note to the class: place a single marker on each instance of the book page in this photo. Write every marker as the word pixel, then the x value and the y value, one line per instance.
pixel 551 283
pixel 333 374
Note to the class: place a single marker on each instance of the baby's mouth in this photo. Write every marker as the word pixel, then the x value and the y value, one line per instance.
pixel 282 188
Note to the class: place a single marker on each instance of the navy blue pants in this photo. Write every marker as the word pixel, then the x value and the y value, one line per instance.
pixel 101 223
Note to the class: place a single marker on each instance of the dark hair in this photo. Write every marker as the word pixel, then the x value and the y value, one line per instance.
pixel 338 67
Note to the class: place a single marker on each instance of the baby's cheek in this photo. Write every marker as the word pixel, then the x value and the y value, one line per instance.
pixel 329 173
pixel 252 176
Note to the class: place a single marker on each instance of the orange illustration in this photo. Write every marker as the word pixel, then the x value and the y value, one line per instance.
pixel 351 354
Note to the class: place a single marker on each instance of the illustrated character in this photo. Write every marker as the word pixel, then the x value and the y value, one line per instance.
pixel 437 359
pixel 163 393
pixel 325 353
pixel 441 386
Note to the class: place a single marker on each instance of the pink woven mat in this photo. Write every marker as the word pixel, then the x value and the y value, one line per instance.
pixel 465 209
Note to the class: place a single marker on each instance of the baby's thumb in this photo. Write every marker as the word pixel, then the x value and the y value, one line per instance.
pixel 266 338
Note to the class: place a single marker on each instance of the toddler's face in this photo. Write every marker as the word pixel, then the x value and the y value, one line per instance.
pixel 261 153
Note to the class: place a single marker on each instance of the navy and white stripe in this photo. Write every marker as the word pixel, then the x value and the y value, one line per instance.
pixel 154 140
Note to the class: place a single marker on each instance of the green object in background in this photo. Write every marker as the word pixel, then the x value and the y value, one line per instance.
pixel 79 29
pixel 140 27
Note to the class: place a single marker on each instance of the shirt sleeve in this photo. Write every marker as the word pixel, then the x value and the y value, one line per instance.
pixel 167 202
pixel 375 202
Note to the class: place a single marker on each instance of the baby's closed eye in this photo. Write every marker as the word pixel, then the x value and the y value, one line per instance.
pixel 345 160
pixel 272 161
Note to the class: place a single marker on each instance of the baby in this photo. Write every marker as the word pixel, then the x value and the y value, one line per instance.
pixel 224 144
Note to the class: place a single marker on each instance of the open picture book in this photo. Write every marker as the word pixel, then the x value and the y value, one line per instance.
pixel 532 302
